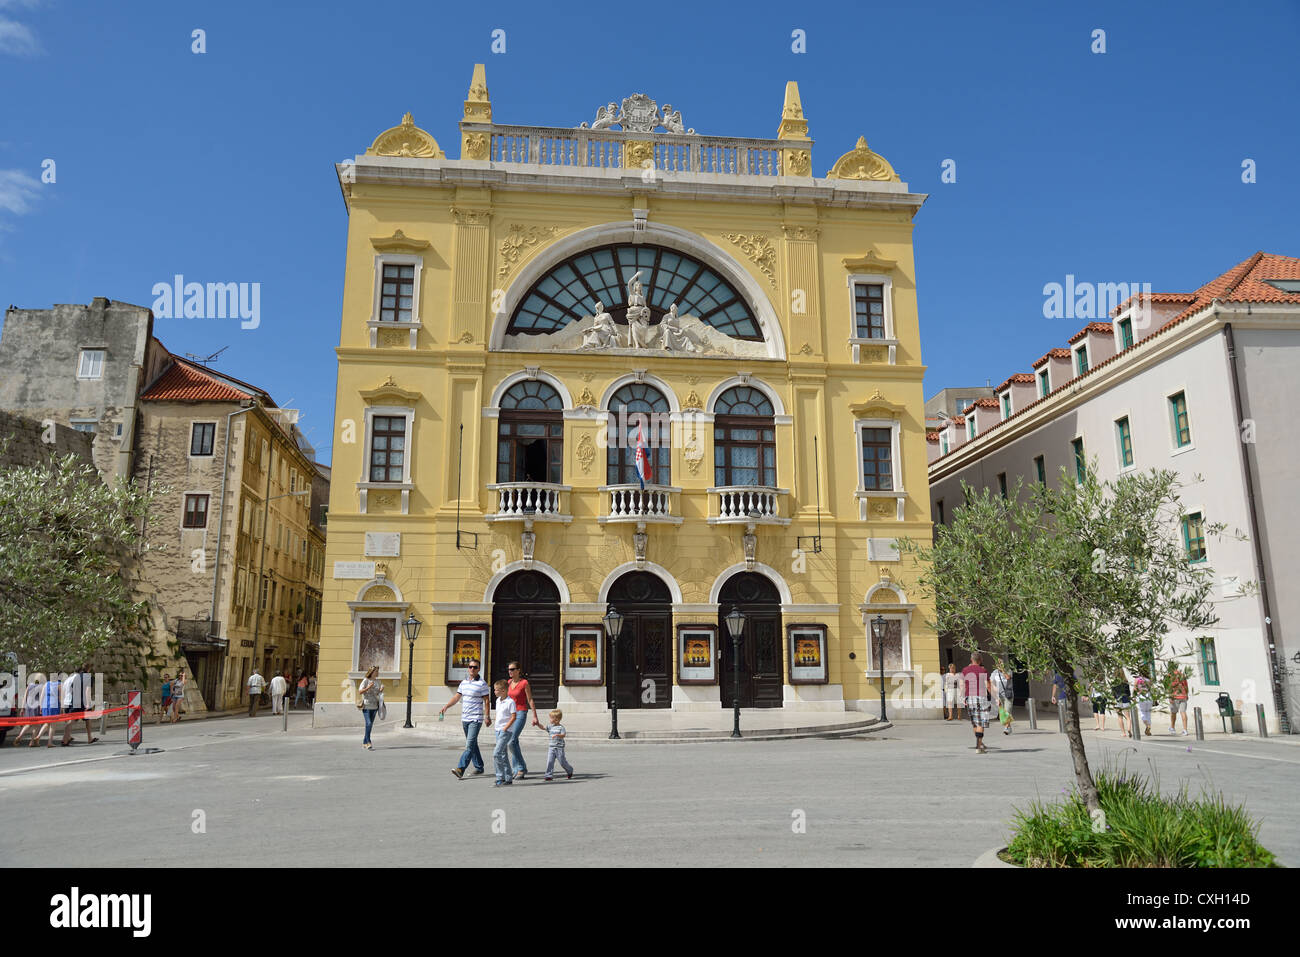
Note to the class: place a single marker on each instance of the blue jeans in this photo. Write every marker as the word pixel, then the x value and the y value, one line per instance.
pixel 370 720
pixel 553 755
pixel 501 757
pixel 517 756
pixel 471 753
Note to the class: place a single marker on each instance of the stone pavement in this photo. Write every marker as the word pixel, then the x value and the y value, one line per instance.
pixel 912 795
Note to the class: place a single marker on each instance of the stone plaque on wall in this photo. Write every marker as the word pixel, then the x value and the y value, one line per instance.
pixel 882 549
pixel 383 544
pixel 362 570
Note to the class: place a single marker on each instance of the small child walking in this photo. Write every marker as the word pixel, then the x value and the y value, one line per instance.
pixel 556 750
pixel 506 715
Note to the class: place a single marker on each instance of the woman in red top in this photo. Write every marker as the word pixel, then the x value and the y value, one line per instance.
pixel 522 694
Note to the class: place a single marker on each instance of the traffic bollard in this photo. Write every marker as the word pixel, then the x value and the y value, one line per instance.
pixel 1060 716
pixel 285 712
pixel 1133 721
pixel 1259 718
pixel 1200 728
pixel 1033 714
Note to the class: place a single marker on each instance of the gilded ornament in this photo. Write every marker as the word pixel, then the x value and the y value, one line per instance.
pixel 797 162
pixel 476 146
pixel 404 140
pixel 760 251
pixel 587 398
pixel 586 452
pixel 637 153
pixel 693 401
pixel 861 163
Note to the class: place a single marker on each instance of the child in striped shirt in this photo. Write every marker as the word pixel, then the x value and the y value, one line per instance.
pixel 556 750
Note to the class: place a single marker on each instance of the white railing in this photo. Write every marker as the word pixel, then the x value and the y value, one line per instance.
pixel 603 149
pixel 529 500
pixel 633 503
pixel 749 503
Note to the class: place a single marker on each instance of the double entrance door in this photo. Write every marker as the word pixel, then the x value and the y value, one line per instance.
pixel 526 628
pixel 760 644
pixel 643 662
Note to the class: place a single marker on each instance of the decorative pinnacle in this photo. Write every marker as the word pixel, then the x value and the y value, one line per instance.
pixel 478 105
pixel 793 125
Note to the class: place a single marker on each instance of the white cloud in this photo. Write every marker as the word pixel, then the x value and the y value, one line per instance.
pixel 17 191
pixel 15 37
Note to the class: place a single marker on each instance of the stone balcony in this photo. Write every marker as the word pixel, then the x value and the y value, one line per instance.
pixel 630 503
pixel 530 502
pixel 748 505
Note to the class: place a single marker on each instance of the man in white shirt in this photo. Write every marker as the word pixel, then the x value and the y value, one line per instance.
pixel 473 695
pixel 77 693
pixel 255 685
pixel 278 688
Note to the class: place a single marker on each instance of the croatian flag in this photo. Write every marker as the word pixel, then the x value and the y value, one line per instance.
pixel 643 472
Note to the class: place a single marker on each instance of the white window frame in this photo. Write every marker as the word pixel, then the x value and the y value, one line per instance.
pixel 190 451
pixel 1119 338
pixel 88 370
pixel 375 323
pixel 93 423
pixel 1174 448
pixel 1004 404
pixel 887 295
pixel 364 486
pixel 1044 375
pixel 865 495
pixel 1120 467
pixel 1081 347
pixel 943 442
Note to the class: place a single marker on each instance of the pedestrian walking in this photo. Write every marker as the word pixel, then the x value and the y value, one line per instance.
pixel 1121 694
pixel 1060 689
pixel 975 682
pixel 278 688
pixel 1098 698
pixel 255 685
pixel 80 690
pixel 951 693
pixel 1002 686
pixel 166 696
pixel 31 705
pixel 521 693
pixel 311 691
pixel 178 695
pixel 556 750
pixel 1177 696
pixel 301 697
pixel 1142 693
pixel 507 717
pixel 472 693
pixel 49 708
pixel 370 694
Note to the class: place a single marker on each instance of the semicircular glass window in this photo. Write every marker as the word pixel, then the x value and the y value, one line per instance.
pixel 571 289
pixel 743 400
pixel 531 394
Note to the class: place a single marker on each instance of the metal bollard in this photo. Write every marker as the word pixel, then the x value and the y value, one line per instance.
pixel 1033 714
pixel 1200 728
pixel 285 711
pixel 1134 722
pixel 1263 723
pixel 1060 716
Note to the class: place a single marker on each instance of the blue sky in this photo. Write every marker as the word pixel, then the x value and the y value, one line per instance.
pixel 1123 166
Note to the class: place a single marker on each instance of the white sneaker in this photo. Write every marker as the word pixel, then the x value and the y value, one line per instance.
pixel 1183 732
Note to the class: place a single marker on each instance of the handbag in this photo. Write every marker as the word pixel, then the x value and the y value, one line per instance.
pixel 383 708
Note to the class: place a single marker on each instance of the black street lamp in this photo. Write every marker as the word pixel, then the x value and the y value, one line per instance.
pixel 412 626
pixel 613 627
pixel 736 625
pixel 878 636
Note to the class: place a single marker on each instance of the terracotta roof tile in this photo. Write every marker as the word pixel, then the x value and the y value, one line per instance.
pixel 1102 327
pixel 184 382
pixel 1016 377
pixel 1051 354
pixel 932 436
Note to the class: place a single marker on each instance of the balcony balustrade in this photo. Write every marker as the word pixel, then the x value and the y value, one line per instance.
pixel 631 503
pixel 748 504
pixel 535 501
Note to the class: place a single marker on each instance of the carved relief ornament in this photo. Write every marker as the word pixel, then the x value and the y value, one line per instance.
pixel 406 139
pixel 861 163
pixel 760 251
pixel 516 240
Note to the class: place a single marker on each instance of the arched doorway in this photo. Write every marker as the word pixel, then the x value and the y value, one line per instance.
pixel 760 643
pixel 642 668
pixel 526 628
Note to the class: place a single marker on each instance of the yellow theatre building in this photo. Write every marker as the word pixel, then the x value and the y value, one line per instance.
pixel 626 365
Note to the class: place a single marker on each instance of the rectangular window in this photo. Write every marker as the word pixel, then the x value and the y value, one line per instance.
pixel 1081 360
pixel 1125 333
pixel 1006 406
pixel 324 515
pixel 869 310
pixel 1194 537
pixel 196 511
pixel 1043 382
pixel 1002 483
pixel 970 426
pixel 293 480
pixel 91 364
pixel 396 296
pixel 943 443
pixel 1209 662
pixel 1182 428
pixel 387 448
pixel 1040 469
pixel 247 512
pixel 1125 438
pixel 202 435
pixel 1080 460
pixel 877 460
pixel 262 606
pixel 939 511
pixel 84 425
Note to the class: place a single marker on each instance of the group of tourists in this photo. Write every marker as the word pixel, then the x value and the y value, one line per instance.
pixel 303 689
pixel 173 696
pixel 514 702
pixel 47 696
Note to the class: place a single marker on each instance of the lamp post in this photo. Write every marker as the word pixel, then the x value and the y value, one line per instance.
pixel 613 627
pixel 735 625
pixel 412 626
pixel 261 561
pixel 878 636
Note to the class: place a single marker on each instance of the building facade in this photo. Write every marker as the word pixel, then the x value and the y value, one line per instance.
pixel 1201 384
pixel 630 366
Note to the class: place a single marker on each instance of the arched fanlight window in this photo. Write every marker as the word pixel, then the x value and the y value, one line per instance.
pixel 570 291
pixel 530 434
pixel 638 406
pixel 744 439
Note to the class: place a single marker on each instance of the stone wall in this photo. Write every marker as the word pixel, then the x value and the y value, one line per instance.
pixel 25 441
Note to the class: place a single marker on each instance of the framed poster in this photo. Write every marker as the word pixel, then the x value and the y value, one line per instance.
pixel 583 654
pixel 807 650
pixel 697 654
pixel 892 643
pixel 464 642
pixel 377 644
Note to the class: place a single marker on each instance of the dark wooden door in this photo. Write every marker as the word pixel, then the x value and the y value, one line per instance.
pixel 643 666
pixel 760 665
pixel 526 628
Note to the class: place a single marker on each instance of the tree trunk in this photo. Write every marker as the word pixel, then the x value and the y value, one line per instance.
pixel 1082 773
